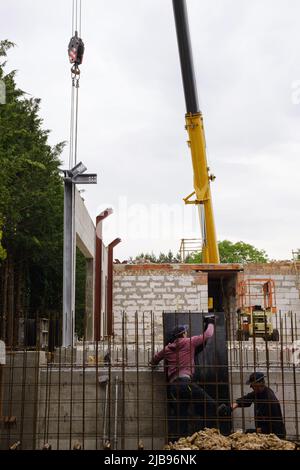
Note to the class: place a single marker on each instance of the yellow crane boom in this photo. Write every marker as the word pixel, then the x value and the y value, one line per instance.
pixel 195 129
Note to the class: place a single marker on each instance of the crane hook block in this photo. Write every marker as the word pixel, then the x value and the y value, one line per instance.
pixel 76 50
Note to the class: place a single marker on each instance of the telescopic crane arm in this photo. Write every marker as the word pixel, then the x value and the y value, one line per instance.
pixel 195 129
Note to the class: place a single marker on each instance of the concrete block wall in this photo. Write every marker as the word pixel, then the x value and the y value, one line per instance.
pixel 156 288
pixel 134 403
pixel 20 385
pixel 64 405
pixel 150 287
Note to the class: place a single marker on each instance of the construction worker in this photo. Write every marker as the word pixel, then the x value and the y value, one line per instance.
pixel 267 411
pixel 179 357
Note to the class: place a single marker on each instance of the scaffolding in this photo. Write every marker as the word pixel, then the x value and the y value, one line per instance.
pixel 189 246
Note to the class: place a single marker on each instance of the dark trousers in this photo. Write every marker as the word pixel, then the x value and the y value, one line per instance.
pixel 185 398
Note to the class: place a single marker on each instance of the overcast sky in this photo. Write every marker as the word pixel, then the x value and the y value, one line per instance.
pixel 131 122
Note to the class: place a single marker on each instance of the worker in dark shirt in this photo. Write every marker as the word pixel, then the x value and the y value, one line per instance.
pixel 267 411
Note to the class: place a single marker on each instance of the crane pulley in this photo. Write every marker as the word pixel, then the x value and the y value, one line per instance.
pixel 76 51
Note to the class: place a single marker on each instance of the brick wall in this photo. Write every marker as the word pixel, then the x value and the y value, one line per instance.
pixel 139 289
pixel 145 288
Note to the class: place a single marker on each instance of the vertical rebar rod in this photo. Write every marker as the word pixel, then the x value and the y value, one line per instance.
pixel 35 395
pixel 97 391
pixel 116 413
pixel 49 401
pixel 109 391
pixel 230 341
pixel 282 366
pixel 23 390
pixel 143 333
pixel 123 426
pixel 137 376
pixel 10 390
pixel 47 391
pixel 295 383
pixel 241 357
pixel 152 384
pixel 71 398
pixel 84 358
pixel 58 397
pixel 285 329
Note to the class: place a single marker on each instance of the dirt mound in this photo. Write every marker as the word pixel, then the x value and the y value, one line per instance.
pixel 211 439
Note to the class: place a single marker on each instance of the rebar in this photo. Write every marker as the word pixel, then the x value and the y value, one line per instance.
pixel 103 394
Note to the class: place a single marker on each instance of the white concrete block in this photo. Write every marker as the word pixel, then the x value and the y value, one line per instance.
pixel 143 302
pixel 160 290
pixel 185 283
pixel 288 284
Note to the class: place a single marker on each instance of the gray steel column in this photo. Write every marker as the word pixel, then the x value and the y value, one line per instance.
pixel 68 265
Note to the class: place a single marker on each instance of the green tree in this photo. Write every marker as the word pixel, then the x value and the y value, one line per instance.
pixel 296 254
pixel 160 259
pixel 239 252
pixel 2 250
pixel 31 209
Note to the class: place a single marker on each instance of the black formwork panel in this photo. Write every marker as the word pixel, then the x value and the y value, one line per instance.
pixel 211 365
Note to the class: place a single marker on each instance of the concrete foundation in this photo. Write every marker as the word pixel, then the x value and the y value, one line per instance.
pixel 63 405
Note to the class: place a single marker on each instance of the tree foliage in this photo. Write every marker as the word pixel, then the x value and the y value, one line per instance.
pixel 296 254
pixel 160 259
pixel 239 252
pixel 31 204
pixel 2 250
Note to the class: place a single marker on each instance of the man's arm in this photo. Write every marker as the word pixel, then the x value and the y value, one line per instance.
pixel 209 328
pixel 244 402
pixel 157 358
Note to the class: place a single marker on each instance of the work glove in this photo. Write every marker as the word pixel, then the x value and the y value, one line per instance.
pixel 209 319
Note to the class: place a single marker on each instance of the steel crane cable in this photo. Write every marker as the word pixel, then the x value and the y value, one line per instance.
pixel 75 51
